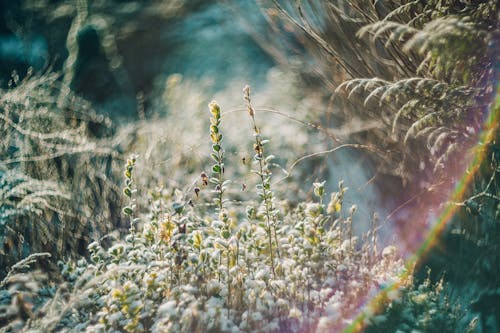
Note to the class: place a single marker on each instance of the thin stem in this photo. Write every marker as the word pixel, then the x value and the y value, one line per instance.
pixel 264 175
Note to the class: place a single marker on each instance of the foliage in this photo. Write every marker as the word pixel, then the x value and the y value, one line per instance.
pixel 423 308
pixel 408 65
pixel 427 71
pixel 188 271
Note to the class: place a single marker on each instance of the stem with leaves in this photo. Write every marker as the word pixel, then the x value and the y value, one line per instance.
pixel 128 191
pixel 264 188
pixel 217 155
pixel 220 185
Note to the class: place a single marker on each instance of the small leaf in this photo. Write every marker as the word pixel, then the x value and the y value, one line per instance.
pixel 127 192
pixel 269 158
pixel 220 244
pixel 214 121
pixel 197 239
pixel 225 234
pixel 214 138
pixel 128 210
pixel 216 168
pixel 178 207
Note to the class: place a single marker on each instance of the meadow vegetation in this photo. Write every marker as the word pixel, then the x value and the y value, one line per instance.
pixel 202 219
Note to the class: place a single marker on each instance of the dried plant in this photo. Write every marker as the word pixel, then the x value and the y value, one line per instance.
pixel 55 171
pixel 410 65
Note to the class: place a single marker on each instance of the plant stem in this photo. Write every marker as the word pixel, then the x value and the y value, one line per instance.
pixel 264 175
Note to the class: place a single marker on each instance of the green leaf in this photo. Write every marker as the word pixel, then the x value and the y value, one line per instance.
pixel 216 147
pixel 216 168
pixel 178 207
pixel 225 234
pixel 128 210
pixel 127 192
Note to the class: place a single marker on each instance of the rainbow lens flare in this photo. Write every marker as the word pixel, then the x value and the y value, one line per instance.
pixel 430 239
